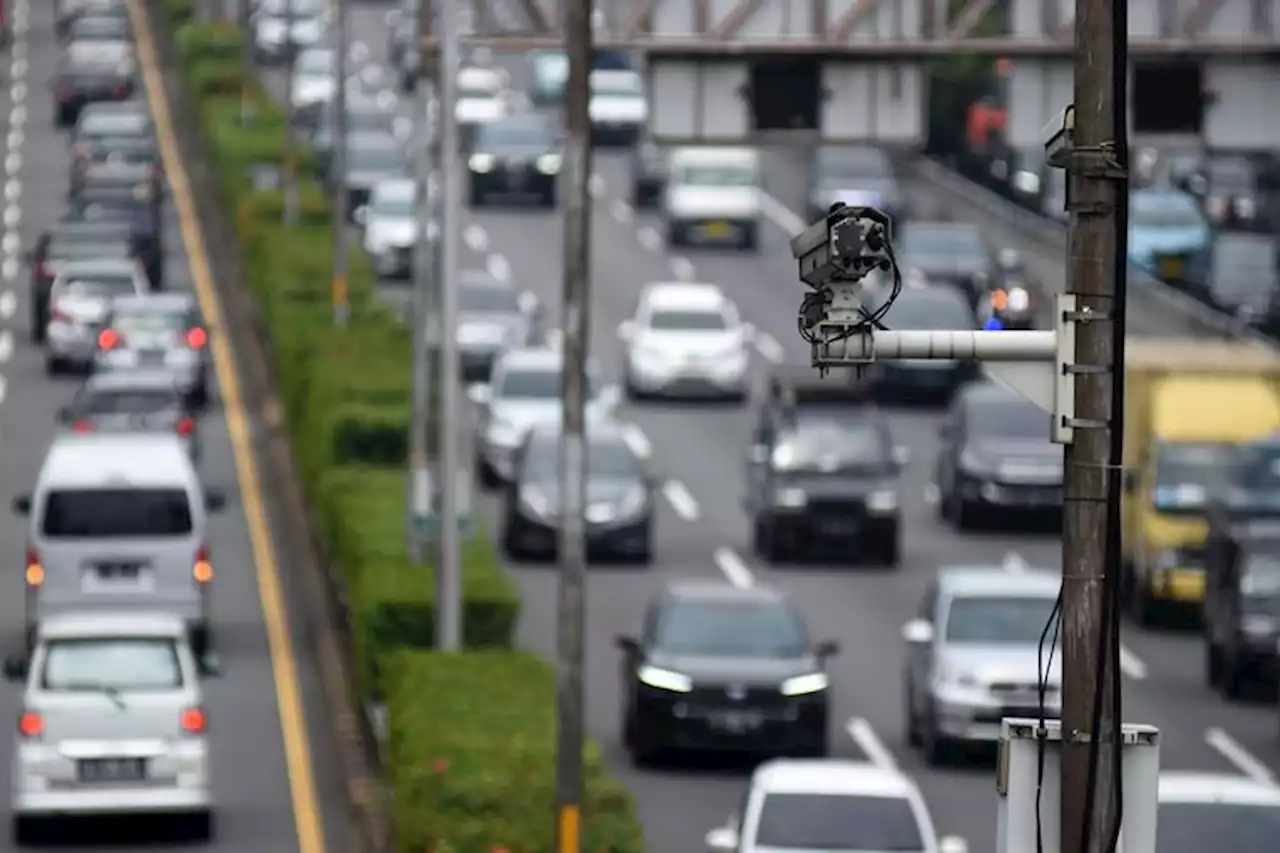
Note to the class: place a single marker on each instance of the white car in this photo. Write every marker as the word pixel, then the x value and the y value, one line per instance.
pixel 278 29
pixel 112 722
pixel 315 78
pixel 391 226
pixel 686 339
pixel 480 99
pixel 1216 811
pixel 617 107
pixel 712 196
pixel 830 805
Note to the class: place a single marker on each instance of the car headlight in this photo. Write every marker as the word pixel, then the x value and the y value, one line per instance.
pixel 632 502
pixel 790 498
pixel 536 502
pixel 1019 299
pixel 549 164
pixel 1259 626
pixel 802 685
pixel 482 163
pixel 885 500
pixel 972 463
pixel 784 458
pixel 503 434
pixel 664 679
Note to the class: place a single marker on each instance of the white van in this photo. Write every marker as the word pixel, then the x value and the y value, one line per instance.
pixel 118 522
pixel 713 197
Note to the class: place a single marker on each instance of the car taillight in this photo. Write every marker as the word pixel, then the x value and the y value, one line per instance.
pixel 121 89
pixel 109 339
pixel 45 269
pixel 193 721
pixel 35 570
pixel 187 427
pixel 82 426
pixel 31 724
pixel 197 338
pixel 202 569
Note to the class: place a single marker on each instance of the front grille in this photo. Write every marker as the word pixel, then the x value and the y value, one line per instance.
pixel 718 698
pixel 849 508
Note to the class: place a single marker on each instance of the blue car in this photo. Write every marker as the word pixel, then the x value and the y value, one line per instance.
pixel 1168 233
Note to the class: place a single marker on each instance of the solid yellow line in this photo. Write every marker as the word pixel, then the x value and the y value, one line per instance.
pixel 293 723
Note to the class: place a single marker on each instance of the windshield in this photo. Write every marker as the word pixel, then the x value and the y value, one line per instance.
pixel 1197 827
pixel 81 249
pixel 1187 475
pixel 503 135
pixel 615 84
pixel 98 285
pixel 114 663
pixel 1008 419
pixel 934 311
pixel 1167 215
pixel 370 121
pixel 1255 477
pixel 1001 620
pixel 837 822
pixel 832 445
pixel 744 629
pixel 376 160
pixel 398 206
pixel 148 322
pixel 488 300
pixel 116 513
pixel 482 89
pixel 540 384
pixel 682 321
pixel 316 62
pixel 552 68
pixel 102 126
pixel 606 460
pixel 140 401
pixel 716 176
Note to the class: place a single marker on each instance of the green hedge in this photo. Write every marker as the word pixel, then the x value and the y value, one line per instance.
pixel 474 774
pixel 472 734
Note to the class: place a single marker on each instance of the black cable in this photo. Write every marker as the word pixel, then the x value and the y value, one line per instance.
pixel 1043 668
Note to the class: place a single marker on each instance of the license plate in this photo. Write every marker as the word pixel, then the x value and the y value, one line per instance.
pixel 838 526
pixel 152 357
pixel 1170 268
pixel 737 721
pixel 1187 585
pixel 112 770
pixel 718 230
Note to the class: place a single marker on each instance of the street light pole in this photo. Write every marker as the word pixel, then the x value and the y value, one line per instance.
pixel 248 72
pixel 341 245
pixel 425 282
pixel 291 111
pixel 576 316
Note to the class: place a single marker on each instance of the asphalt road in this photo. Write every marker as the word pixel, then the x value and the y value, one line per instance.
pixel 702 531
pixel 252 785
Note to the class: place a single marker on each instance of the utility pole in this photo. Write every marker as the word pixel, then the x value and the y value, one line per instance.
pixel 291 111
pixel 573 454
pixel 341 246
pixel 1097 200
pixel 449 571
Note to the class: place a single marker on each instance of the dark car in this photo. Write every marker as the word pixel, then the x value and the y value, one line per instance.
pixel 142 219
pixel 371 158
pixel 618 507
pixel 924 307
pixel 136 401
pixel 952 253
pixel 493 315
pixel 852 175
pixel 822 473
pixel 516 157
pixel 99 132
pixel 80 81
pixel 1244 275
pixel 996 462
pixel 727 669
pixel 71 241
pixel 648 174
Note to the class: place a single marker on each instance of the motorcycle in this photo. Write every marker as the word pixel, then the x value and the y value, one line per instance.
pixel 1010 302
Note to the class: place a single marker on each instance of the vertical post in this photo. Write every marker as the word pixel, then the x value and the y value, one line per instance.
pixel 291 111
pixel 449 572
pixel 341 205
pixel 1090 712
pixel 424 284
pixel 576 316
pixel 248 73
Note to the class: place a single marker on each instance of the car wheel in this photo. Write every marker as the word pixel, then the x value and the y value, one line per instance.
pixel 1212 664
pixel 53 366
pixel 914 738
pixel 1145 609
pixel 750 239
pixel 24 830
pixel 767 542
pixel 630 390
pixel 488 476
pixel 548 200
pixel 510 546
pixel 889 553
pixel 1235 679
pixel 200 827
pixel 475 197
pixel 675 237
pixel 934 744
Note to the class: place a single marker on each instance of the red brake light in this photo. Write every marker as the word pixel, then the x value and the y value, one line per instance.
pixel 35 570
pixel 202 569
pixel 45 269
pixel 197 338
pixel 31 724
pixel 193 721
pixel 82 426
pixel 109 339
pixel 186 426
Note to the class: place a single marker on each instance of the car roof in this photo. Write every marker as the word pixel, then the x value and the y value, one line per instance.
pixel 702 589
pixel 107 459
pixel 70 269
pixel 372 139
pixel 396 187
pixel 125 380
pixel 832 776
pixel 108 623
pixel 533 358
pixel 166 302
pixel 679 294
pixel 719 156
pixel 477 77
pixel 998 581
pixel 1194 787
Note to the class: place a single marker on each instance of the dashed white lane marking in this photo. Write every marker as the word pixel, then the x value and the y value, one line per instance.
pixel 18 116
pixel 680 499
pixel 19 68
pixel 18 92
pixel 769 348
pixel 732 567
pixel 12 189
pixel 595 186
pixel 13 163
pixel 475 238
pixel 1230 749
pixel 10 243
pixel 621 211
pixel 498 267
pixel 4 389
pixel 866 739
pixel 12 216
pixel 6 345
pixel 8 303
pixel 636 440
pixel 1131 665
pixel 681 268
pixel 650 239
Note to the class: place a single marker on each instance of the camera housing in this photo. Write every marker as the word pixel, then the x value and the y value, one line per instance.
pixel 845 245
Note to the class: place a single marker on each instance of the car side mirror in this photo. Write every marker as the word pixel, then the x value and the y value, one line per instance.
pixel 22 505
pixel 626 331
pixel 209 665
pixel 722 840
pixel 480 395
pixel 918 632
pixel 828 649
pixel 65 415
pixel 15 667
pixel 215 500
pixel 627 644
pixel 901 456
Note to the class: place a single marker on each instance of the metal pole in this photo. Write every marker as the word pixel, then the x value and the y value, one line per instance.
pixel 449 572
pixel 248 72
pixel 424 285
pixel 291 111
pixel 1090 645
pixel 341 247
pixel 576 316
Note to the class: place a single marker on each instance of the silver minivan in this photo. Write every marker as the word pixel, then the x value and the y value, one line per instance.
pixel 118 522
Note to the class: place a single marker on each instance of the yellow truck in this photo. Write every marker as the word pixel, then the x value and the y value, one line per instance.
pixel 1188 403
